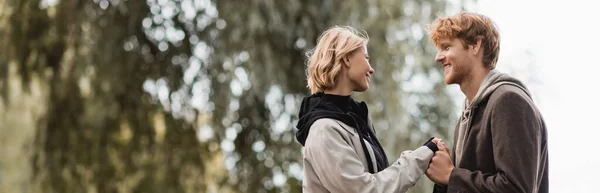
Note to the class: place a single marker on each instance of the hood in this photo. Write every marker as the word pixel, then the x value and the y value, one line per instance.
pixel 314 107
pixel 493 80
pixel 317 106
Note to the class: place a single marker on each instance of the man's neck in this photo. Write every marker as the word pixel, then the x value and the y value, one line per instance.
pixel 471 85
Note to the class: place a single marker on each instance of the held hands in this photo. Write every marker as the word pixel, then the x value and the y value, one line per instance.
pixel 441 165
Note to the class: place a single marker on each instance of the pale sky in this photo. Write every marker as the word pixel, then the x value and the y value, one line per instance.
pixel 553 46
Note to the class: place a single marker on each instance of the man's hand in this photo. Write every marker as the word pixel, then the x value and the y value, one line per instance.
pixel 441 165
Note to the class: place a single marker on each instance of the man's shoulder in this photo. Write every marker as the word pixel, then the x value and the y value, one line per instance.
pixel 509 92
pixel 511 97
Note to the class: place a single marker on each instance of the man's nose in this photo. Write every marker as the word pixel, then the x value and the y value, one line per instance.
pixel 439 57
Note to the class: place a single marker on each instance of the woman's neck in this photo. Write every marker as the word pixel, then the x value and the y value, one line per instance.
pixel 341 102
pixel 339 90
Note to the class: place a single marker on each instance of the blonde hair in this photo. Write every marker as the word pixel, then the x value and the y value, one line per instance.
pixel 325 61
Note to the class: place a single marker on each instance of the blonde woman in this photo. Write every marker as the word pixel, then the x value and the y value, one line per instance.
pixel 341 151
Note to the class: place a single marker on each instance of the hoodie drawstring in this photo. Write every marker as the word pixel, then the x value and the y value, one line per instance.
pixel 364 146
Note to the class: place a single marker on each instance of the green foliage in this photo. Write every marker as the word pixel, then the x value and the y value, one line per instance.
pixel 195 95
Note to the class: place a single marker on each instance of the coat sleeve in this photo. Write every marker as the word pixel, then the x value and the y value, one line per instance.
pixel 516 140
pixel 340 169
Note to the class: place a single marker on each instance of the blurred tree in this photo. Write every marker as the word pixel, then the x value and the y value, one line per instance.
pixel 193 95
pixel 99 130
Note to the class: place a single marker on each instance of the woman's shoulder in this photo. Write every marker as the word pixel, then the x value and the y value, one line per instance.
pixel 328 125
pixel 328 131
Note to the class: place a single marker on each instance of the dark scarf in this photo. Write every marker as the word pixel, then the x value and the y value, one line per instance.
pixel 347 110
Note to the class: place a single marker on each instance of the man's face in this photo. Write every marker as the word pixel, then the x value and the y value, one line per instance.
pixel 456 61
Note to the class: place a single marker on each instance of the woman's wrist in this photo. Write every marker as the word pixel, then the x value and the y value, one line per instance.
pixel 431 145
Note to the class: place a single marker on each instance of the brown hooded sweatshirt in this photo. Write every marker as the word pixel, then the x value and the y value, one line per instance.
pixel 500 141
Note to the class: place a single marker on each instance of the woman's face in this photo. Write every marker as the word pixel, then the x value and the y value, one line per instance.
pixel 359 70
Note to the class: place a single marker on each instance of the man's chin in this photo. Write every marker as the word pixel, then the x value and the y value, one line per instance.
pixel 449 81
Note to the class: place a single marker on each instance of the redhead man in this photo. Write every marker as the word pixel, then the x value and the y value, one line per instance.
pixel 500 141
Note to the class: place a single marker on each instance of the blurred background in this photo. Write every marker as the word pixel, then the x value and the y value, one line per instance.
pixel 202 95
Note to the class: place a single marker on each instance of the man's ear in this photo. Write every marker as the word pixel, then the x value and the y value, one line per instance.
pixel 476 48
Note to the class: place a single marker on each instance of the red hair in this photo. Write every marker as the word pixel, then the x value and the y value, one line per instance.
pixel 469 28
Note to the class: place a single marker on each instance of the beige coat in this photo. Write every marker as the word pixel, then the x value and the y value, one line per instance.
pixel 334 161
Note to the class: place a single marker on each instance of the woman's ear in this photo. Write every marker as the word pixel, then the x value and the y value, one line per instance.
pixel 346 61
